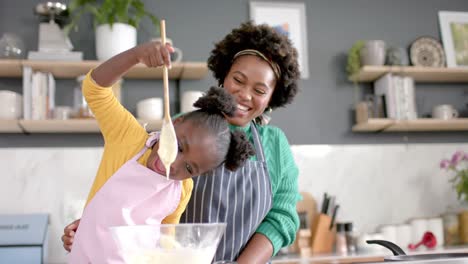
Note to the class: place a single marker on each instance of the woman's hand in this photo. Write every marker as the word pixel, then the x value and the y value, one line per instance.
pixel 69 234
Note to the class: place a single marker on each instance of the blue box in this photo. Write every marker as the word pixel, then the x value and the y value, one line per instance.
pixel 23 238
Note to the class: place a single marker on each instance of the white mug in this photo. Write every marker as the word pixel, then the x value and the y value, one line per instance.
pixel 11 105
pixel 187 100
pixel 150 108
pixel 177 55
pixel 444 111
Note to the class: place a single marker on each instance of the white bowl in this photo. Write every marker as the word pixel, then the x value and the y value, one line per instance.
pixel 150 108
pixel 11 105
pixel 188 98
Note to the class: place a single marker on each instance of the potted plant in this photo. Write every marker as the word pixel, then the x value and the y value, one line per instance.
pixel 354 61
pixel 353 66
pixel 115 21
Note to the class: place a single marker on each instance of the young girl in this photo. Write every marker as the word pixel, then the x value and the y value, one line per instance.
pixel 130 187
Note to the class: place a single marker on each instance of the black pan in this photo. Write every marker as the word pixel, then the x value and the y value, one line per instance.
pixel 400 255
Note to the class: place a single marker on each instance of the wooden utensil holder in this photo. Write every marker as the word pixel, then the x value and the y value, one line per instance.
pixel 323 237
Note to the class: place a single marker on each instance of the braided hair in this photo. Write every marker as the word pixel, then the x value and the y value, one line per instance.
pixel 214 106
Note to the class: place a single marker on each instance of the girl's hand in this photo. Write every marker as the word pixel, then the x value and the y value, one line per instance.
pixel 69 234
pixel 154 54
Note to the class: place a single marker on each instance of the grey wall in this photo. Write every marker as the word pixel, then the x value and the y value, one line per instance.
pixel 321 114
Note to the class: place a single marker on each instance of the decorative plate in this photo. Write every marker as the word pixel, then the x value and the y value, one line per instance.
pixel 427 52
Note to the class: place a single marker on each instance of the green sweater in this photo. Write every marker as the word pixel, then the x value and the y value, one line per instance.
pixel 282 222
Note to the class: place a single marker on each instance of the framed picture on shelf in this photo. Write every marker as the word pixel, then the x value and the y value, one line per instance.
pixel 288 19
pixel 454 30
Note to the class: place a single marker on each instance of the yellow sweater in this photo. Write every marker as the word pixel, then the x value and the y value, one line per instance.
pixel 124 137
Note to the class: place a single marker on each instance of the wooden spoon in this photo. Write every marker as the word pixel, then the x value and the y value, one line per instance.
pixel 167 150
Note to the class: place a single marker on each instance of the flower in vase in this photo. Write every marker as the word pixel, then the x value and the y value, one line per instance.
pixel 458 164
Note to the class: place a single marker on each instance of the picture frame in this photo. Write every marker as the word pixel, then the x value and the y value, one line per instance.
pixel 289 19
pixel 454 31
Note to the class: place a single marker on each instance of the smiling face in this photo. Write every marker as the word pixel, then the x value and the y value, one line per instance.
pixel 251 81
pixel 197 153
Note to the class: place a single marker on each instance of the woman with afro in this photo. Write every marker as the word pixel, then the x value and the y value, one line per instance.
pixel 259 68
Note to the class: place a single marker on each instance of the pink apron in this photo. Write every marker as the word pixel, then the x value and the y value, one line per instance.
pixel 134 195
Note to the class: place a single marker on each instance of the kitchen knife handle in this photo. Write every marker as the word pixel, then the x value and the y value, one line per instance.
pixel 324 203
pixel 335 210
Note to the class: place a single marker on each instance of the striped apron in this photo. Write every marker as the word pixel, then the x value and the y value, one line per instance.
pixel 241 199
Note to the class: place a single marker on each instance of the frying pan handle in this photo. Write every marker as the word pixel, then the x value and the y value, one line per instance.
pixel 396 250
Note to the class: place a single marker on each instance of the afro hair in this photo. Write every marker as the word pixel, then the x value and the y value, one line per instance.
pixel 273 45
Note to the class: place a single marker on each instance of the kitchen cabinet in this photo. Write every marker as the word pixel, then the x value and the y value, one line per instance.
pixel 68 70
pixel 420 74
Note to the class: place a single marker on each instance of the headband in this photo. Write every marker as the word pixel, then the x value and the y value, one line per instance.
pixel 274 66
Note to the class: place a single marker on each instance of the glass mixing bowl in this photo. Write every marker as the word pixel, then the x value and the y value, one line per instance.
pixel 178 243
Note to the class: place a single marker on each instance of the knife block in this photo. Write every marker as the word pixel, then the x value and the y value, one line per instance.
pixel 323 237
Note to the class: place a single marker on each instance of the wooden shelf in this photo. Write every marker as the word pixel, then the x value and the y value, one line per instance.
pixel 62 126
pixel 193 70
pixel 420 74
pixel 373 125
pixel 429 124
pixel 69 69
pixel 10 126
pixel 11 68
pixel 418 125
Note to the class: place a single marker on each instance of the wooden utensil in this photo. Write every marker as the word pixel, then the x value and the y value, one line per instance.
pixel 167 150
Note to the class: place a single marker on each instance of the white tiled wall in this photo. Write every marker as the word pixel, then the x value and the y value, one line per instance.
pixel 374 184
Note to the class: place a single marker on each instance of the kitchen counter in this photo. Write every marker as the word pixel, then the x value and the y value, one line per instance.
pixel 369 256
pixel 328 258
pixel 434 261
